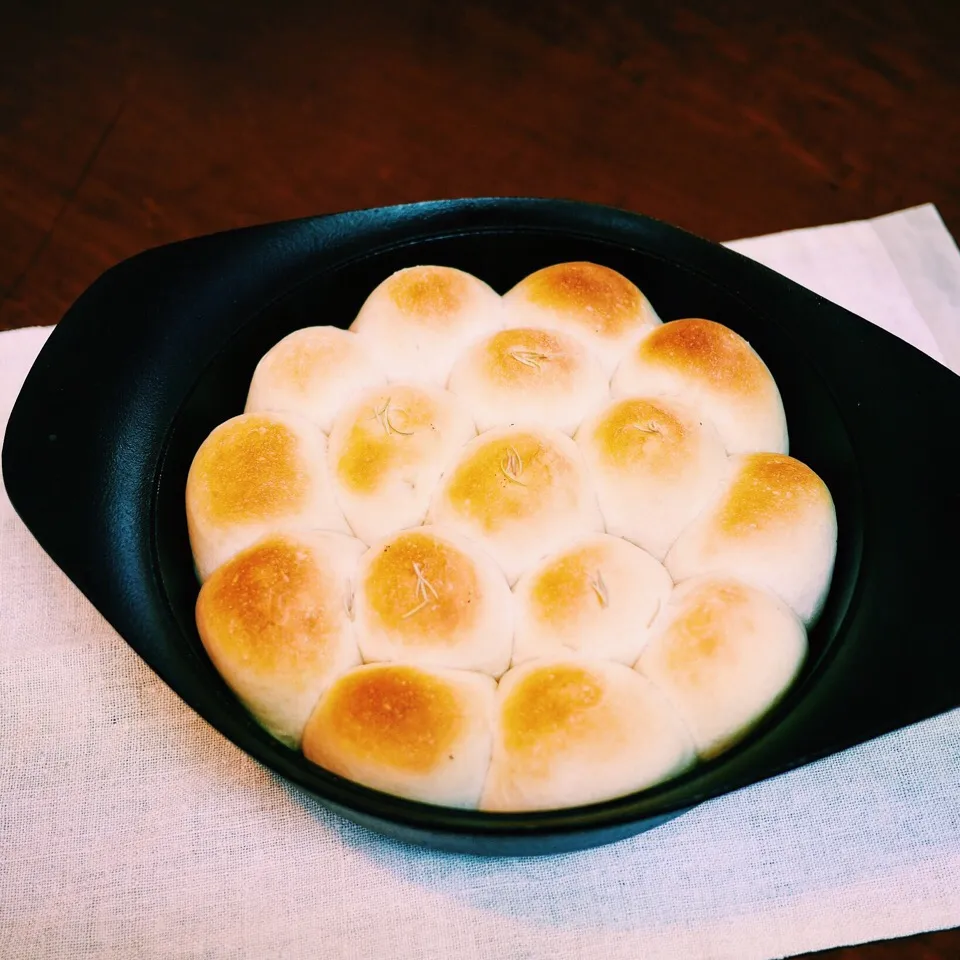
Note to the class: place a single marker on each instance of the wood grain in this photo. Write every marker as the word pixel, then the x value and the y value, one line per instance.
pixel 123 126
pixel 928 946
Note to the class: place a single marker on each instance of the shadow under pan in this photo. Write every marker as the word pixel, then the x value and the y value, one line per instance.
pixel 162 347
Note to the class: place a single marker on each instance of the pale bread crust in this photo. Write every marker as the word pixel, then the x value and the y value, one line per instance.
pixel 275 621
pixel 520 494
pixel 430 597
pixel 599 306
pixel 257 473
pixel 596 598
pixel 723 653
pixel 419 320
pixel 654 463
pixel 773 525
pixel 313 372
pixel 714 370
pixel 526 375
pixel 422 733
pixel 575 731
pixel 387 452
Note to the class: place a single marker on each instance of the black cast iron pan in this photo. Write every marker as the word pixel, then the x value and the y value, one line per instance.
pixel 162 347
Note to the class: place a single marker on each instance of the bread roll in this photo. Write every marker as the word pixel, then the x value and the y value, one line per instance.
pixel 592 302
pixel 387 452
pixel 419 320
pixel 715 371
pixel 596 598
pixel 256 473
pixel 570 732
pixel 529 376
pixel 521 494
pixel 313 372
pixel 772 525
pixel 418 733
pixel 723 653
pixel 274 620
pixel 654 464
pixel 429 597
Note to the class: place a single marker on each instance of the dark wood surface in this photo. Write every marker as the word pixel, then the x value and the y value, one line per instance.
pixel 126 125
pixel 944 945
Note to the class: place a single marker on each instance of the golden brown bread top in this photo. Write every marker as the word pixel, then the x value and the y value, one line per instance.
pixel 511 477
pixel 310 353
pixel 395 429
pixel 428 293
pixel 388 715
pixel 422 587
pixel 713 618
pixel 557 708
pixel 603 300
pixel 708 352
pixel 271 608
pixel 770 491
pixel 526 356
pixel 638 432
pixel 249 468
pixel 569 585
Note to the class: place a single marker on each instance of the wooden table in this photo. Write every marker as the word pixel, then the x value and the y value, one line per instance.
pixel 126 125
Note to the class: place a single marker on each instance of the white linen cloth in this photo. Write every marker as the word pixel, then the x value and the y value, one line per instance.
pixel 130 828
